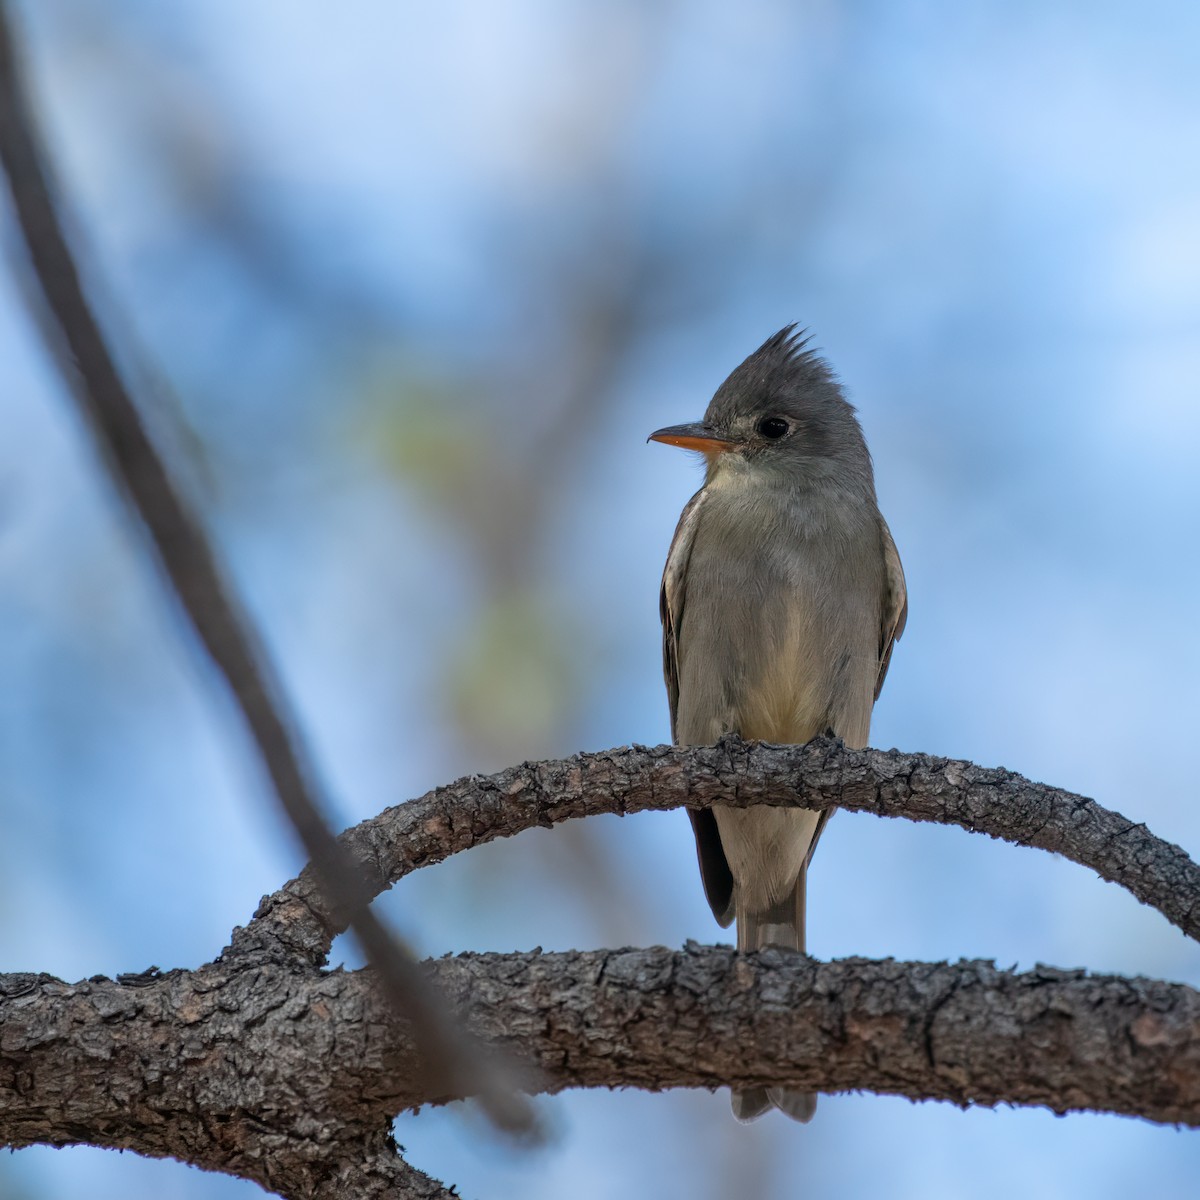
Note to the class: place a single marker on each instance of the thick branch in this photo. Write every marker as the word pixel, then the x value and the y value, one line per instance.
pixel 262 1066
pixel 291 1077
pixel 370 1169
pixel 822 775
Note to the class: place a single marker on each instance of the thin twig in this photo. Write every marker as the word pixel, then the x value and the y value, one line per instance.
pixel 224 629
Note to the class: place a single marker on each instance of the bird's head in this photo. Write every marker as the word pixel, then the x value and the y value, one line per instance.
pixel 780 416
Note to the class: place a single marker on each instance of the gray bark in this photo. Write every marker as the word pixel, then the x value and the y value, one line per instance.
pixel 291 1077
pixel 821 775
pixel 265 1066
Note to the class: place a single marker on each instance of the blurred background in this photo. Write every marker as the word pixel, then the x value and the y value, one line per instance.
pixel 409 285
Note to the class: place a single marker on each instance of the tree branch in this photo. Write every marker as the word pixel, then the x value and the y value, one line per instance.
pixel 367 1169
pixel 263 1066
pixel 822 775
pixel 194 572
pixel 291 1077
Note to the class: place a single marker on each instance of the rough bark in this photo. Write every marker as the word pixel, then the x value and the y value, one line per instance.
pixel 823 774
pixel 291 1077
pixel 265 1066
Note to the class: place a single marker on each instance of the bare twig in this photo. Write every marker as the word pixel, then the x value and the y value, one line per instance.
pixel 191 565
pixel 822 775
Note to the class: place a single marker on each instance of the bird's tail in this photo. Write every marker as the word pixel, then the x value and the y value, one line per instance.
pixel 783 926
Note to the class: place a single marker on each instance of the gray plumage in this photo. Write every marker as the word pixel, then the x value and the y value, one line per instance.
pixel 781 599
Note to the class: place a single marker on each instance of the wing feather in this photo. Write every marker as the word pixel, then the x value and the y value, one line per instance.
pixel 895 605
pixel 714 867
pixel 671 597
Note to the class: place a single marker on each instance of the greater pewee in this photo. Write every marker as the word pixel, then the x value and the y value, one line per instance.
pixel 781 599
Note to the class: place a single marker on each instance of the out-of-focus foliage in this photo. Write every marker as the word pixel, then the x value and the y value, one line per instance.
pixel 409 286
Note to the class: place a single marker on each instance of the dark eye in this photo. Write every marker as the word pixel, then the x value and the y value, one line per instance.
pixel 773 427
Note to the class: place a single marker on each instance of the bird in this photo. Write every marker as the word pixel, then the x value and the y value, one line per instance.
pixel 782 597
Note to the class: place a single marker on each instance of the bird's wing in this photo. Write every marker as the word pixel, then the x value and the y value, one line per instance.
pixel 895 614
pixel 671 597
pixel 714 868
pixel 895 605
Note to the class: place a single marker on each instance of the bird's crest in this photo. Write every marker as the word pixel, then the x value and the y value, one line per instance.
pixel 783 365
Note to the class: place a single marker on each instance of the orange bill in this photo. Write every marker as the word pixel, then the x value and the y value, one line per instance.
pixel 695 436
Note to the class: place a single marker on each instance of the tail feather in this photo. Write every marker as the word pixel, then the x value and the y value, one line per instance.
pixel 751 1104
pixel 781 926
pixel 800 1106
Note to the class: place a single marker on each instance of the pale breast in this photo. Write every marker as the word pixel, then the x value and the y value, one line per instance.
pixel 779 628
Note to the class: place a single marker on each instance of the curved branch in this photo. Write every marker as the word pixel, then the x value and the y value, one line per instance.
pixel 824 774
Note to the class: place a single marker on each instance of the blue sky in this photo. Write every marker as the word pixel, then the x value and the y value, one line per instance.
pixel 409 286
